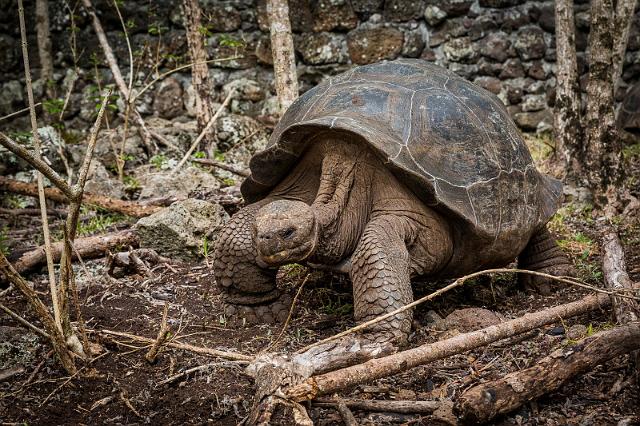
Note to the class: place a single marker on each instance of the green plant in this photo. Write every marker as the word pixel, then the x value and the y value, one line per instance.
pixel 131 183
pixel 158 161
pixel 53 106
pixel 98 223
pixel 228 181
pixel 226 40
pixel 199 154
pixel 204 248
pixel 631 151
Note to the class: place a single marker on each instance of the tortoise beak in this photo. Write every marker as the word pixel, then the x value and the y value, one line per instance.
pixel 285 232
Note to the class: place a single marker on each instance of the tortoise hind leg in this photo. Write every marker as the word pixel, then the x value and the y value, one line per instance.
pixel 542 254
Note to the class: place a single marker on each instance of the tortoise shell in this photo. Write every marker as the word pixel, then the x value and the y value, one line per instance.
pixel 450 141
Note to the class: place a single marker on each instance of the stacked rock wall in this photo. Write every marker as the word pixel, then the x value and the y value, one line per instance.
pixel 505 46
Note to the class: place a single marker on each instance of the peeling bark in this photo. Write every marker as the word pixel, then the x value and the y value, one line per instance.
pixel 567 124
pixel 624 17
pixel 199 69
pixel 603 151
pixel 44 43
pixel 284 60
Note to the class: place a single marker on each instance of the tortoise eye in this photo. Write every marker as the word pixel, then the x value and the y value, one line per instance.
pixel 287 233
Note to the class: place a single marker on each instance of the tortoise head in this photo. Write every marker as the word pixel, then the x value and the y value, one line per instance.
pixel 285 232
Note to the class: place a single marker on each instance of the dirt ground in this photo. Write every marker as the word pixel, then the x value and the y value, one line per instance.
pixel 120 387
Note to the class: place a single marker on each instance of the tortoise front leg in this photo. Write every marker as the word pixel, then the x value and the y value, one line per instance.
pixel 380 275
pixel 249 290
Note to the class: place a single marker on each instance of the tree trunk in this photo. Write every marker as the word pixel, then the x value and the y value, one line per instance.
pixel 44 44
pixel 567 124
pixel 603 153
pixel 284 60
pixel 624 17
pixel 199 69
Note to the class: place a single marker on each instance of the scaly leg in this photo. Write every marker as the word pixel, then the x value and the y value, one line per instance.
pixel 381 283
pixel 250 291
pixel 542 254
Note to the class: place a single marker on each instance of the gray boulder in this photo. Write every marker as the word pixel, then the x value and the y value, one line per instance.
pixel 186 230
pixel 179 185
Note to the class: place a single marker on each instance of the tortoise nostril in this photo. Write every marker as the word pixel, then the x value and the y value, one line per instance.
pixel 287 233
pixel 264 236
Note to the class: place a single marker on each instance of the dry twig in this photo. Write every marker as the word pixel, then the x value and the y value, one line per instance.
pixel 163 333
pixel 184 346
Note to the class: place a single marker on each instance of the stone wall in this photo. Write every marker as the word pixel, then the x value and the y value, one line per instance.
pixel 506 46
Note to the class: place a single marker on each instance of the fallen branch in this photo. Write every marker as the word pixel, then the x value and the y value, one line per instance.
pixel 334 381
pixel 223 166
pixel 483 402
pixel 161 338
pixel 397 406
pixel 184 346
pixel 129 208
pixel 347 416
pixel 87 248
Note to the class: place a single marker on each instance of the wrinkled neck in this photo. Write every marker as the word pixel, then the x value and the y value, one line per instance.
pixel 343 201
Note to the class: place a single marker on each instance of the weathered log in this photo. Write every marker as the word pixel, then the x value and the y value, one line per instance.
pixel 396 406
pixel 386 366
pixel 483 402
pixel 89 247
pixel 129 208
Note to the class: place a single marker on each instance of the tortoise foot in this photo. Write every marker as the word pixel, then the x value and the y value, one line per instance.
pixel 276 311
pixel 542 254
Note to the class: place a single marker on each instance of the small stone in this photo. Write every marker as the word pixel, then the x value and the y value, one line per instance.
pixel 576 332
pixel 512 68
pixel 321 48
pixel 453 7
pixel 489 68
pixel 101 182
pixel 547 18
pixel 167 101
pixel 263 51
pixel 500 3
pixel 495 46
pixel 536 71
pixel 403 10
pixel 246 89
pixel 534 103
pixel 469 319
pixel 222 18
pixel 491 84
pixel 531 120
pixel 179 230
pixel 333 15
pixel 434 15
pixel 530 43
pixel 460 50
pixel 483 25
pixel 514 95
pixel 556 331
pixel 414 42
pixel 368 45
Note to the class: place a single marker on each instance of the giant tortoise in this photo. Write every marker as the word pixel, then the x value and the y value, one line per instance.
pixel 389 171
